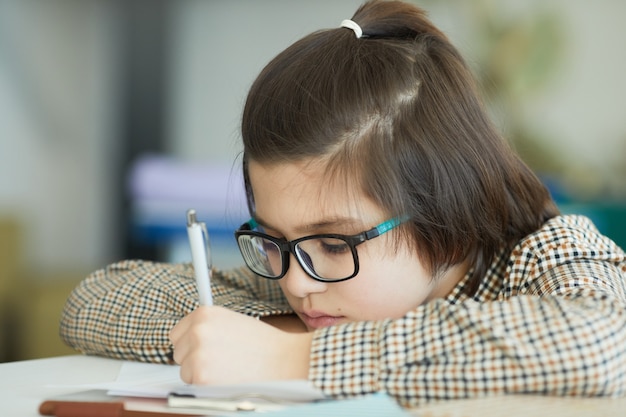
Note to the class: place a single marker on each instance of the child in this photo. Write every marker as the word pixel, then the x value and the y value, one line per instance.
pixel 396 243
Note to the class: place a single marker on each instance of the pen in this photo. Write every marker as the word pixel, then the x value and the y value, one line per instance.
pixel 200 256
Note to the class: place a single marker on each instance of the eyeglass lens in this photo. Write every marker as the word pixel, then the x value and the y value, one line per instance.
pixel 322 257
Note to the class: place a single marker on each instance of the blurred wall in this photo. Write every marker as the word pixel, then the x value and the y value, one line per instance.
pixel 218 49
pixel 57 128
pixel 565 64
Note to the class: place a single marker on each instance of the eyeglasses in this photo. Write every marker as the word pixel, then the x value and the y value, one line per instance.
pixel 324 257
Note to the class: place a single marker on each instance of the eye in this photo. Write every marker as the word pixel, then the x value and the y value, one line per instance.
pixel 269 246
pixel 334 246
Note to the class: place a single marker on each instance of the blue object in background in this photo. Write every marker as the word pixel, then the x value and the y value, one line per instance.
pixel 609 217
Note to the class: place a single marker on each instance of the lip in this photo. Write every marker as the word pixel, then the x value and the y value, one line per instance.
pixel 318 319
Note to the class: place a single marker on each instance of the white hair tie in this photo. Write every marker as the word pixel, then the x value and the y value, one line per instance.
pixel 351 24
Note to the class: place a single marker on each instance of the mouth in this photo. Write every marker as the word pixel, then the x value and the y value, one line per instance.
pixel 317 319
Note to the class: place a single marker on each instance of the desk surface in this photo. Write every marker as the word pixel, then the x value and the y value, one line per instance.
pixel 23 385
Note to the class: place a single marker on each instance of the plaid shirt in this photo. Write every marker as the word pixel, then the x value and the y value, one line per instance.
pixel 548 318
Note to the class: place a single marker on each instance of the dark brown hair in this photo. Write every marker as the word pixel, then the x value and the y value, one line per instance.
pixel 398 112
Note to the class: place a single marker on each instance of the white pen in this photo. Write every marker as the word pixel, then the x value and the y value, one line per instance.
pixel 200 257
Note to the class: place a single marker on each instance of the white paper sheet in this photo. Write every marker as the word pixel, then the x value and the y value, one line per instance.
pixel 137 379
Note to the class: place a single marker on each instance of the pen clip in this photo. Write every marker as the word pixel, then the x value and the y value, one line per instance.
pixel 207 245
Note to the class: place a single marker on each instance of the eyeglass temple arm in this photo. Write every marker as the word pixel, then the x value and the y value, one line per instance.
pixel 252 223
pixel 385 226
pixel 382 228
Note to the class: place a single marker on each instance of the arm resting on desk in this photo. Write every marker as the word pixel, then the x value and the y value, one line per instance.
pixel 127 309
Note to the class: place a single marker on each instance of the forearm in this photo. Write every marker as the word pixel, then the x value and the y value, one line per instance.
pixel 243 281
pixel 548 346
pixel 127 309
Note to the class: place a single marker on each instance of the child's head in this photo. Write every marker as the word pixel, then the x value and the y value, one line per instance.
pixel 396 114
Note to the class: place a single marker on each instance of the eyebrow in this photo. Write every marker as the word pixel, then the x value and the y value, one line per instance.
pixel 318 226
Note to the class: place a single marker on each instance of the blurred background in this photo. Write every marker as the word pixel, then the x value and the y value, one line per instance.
pixel 118 115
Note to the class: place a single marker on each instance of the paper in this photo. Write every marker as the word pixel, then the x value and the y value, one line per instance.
pixel 277 391
pixel 137 379
pixel 143 379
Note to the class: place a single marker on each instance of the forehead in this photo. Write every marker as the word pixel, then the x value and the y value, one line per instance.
pixel 303 192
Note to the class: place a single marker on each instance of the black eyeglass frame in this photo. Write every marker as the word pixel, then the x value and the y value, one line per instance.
pixel 289 246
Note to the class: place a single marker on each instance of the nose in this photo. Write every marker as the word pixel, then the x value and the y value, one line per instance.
pixel 298 283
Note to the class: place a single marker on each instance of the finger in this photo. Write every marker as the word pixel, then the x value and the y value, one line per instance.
pixel 180 340
pixel 179 353
pixel 188 336
pixel 179 329
pixel 195 369
pixel 185 375
pixel 184 324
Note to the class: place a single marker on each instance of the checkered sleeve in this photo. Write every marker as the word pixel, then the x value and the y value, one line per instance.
pixel 127 309
pixel 557 326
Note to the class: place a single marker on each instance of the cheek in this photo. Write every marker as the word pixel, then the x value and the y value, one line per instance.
pixel 387 288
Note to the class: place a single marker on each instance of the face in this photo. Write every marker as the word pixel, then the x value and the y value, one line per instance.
pixel 296 199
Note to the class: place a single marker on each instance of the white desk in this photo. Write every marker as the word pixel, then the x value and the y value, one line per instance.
pixel 23 385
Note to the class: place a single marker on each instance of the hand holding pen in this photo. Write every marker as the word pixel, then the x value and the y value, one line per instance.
pixel 200 257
